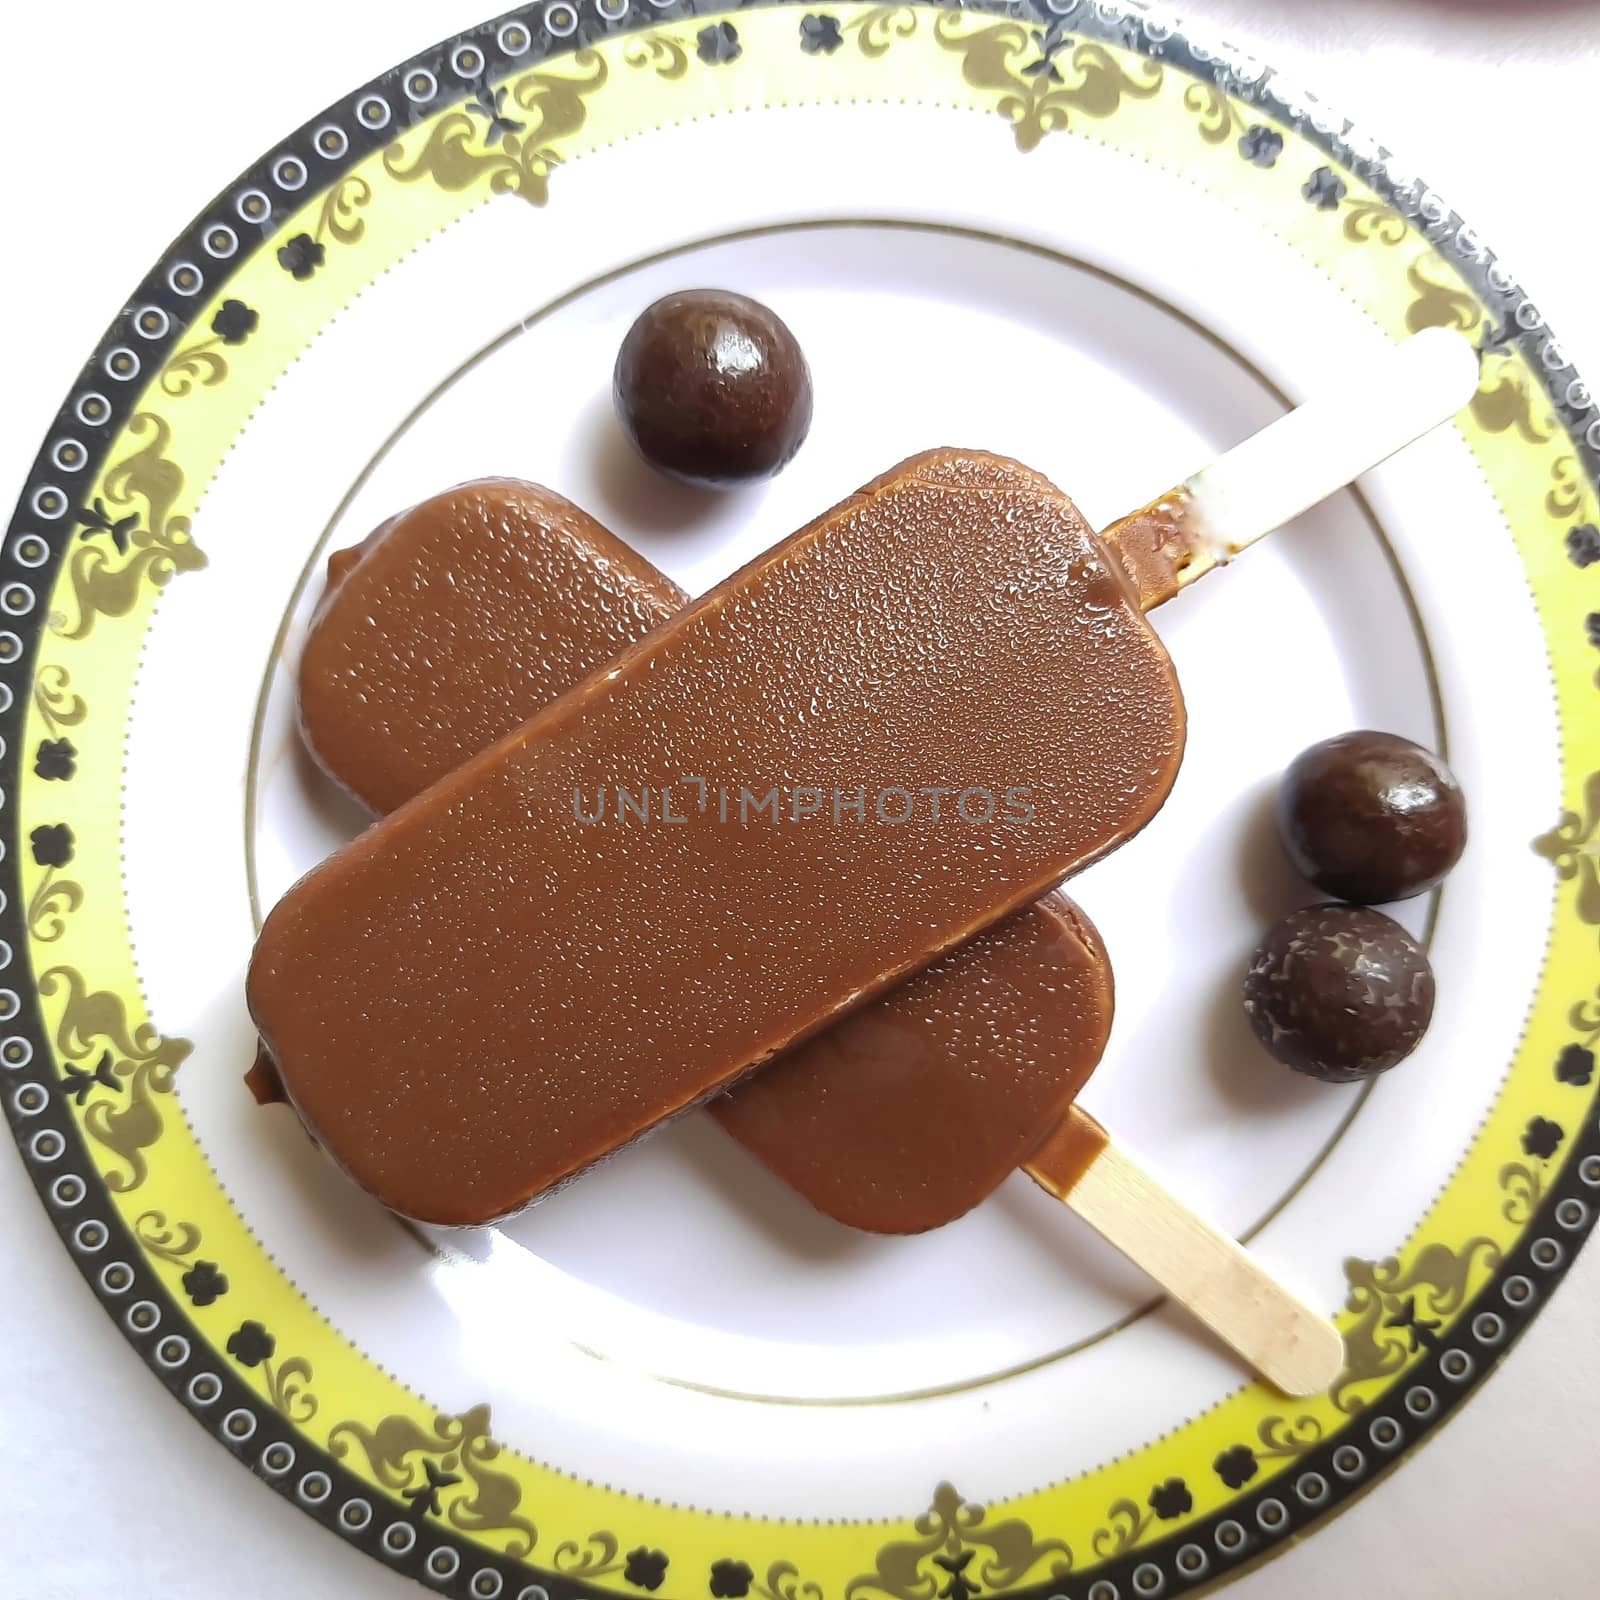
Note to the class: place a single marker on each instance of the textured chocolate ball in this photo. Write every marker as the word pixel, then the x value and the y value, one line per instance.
pixel 712 388
pixel 1371 817
pixel 1339 992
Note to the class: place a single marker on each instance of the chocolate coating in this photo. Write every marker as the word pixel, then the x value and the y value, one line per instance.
pixel 486 992
pixel 712 388
pixel 1339 992
pixel 1371 817
pixel 896 1119
pixel 912 1110
pixel 456 620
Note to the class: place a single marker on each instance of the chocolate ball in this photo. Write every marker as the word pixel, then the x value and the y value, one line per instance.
pixel 1371 817
pixel 1339 992
pixel 712 388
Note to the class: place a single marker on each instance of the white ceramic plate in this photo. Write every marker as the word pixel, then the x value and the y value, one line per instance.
pixel 1081 239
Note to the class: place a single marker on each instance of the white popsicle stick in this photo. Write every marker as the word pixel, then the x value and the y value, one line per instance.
pixel 1378 408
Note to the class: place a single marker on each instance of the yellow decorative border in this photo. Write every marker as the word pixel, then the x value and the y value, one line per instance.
pixel 518 146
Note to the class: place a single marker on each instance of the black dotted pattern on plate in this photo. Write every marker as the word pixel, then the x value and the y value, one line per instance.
pixel 160 313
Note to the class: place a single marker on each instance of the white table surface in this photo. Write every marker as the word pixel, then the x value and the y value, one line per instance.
pixel 106 1486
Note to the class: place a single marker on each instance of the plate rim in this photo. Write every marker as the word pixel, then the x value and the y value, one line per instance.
pixel 1130 27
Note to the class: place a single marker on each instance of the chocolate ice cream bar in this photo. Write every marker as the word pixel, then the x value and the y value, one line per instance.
pixel 897 1119
pixel 606 952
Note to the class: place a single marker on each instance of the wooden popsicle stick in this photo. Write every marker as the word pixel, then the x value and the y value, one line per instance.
pixel 1213 1276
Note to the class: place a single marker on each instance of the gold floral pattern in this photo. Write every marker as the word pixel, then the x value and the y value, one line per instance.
pixel 175 1242
pixel 1216 118
pixel 256 1349
pixel 54 699
pixel 1126 1524
pixel 1282 1439
pixel 338 217
pixel 456 156
pixel 1585 1019
pixel 783 1582
pixel 287 1389
pixel 1568 489
pixel 1505 398
pixel 1369 221
pixel 951 1534
pixel 1440 305
pixel 1277 1439
pixel 453 1463
pixel 995 57
pixel 104 581
pixel 199 365
pixel 127 1119
pixel 594 1557
pixel 660 52
pixel 1401 1307
pixel 1523 1189
pixel 1574 849
pixel 53 900
pixel 877 29
pixel 1508 403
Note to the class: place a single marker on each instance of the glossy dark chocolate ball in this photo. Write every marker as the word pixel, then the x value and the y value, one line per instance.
pixel 1371 817
pixel 712 388
pixel 1340 992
